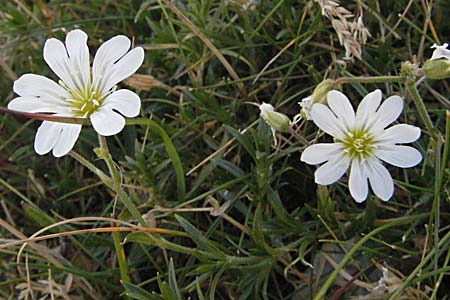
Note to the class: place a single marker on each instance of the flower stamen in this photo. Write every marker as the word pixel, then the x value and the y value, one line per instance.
pixel 359 144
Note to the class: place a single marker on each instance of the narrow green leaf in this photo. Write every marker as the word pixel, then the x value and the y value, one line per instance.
pixel 171 152
pixel 136 292
pixel 165 290
pixel 173 280
pixel 139 237
pixel 243 140
pixel 198 237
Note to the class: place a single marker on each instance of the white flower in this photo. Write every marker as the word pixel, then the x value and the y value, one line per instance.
pixel 306 105
pixel 361 141
pixel 82 91
pixel 440 52
pixel 277 121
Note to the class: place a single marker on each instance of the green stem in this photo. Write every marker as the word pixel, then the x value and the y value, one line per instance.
pixel 103 177
pixel 111 183
pixel 446 148
pixel 121 258
pixel 441 276
pixel 372 79
pixel 423 113
pixel 298 136
pixel 104 154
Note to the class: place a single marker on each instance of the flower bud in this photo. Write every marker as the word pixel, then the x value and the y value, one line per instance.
pixel 277 121
pixel 437 68
pixel 319 95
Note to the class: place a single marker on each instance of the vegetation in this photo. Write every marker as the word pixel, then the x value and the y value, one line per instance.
pixel 193 200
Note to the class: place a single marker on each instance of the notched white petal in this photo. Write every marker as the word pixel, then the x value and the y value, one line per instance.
pixel 124 101
pixel 388 112
pixel 319 153
pixel 110 52
pixel 30 105
pixel 380 180
pixel 39 86
pixel 55 55
pixel 331 171
pixel 106 122
pixel 67 139
pixel 125 67
pixel 46 137
pixel 357 182
pixel 76 44
pixel 368 106
pixel 399 155
pixel 341 107
pixel 400 134
pixel 327 121
pixel 440 52
pixel 57 136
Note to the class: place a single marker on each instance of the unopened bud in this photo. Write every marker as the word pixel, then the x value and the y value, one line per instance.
pixel 277 121
pixel 437 68
pixel 319 95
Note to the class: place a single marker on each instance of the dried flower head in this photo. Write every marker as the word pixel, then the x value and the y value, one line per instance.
pixel 352 33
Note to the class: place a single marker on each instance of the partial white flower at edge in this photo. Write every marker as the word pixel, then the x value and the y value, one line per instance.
pixel 82 91
pixel 361 142
pixel 440 52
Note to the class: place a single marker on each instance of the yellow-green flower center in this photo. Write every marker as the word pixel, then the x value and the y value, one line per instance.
pixel 358 144
pixel 85 103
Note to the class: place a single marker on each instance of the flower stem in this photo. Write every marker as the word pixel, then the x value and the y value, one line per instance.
pixel 298 136
pixel 111 183
pixel 422 110
pixel 103 153
pixel 372 79
pixel 103 177
pixel 121 258
pixel 106 156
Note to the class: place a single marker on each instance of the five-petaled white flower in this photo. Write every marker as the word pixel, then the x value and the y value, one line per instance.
pixel 82 91
pixel 360 142
pixel 440 52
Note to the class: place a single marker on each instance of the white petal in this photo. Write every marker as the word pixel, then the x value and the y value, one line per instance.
pixel 124 101
pixel 46 137
pixel 440 52
pixel 399 155
pixel 331 171
pixel 34 105
pixel 319 153
pixel 76 43
pixel 106 122
pixel 380 179
pixel 66 140
pixel 55 55
pixel 399 134
pixel 125 67
pixel 388 112
pixel 111 65
pixel 39 86
pixel 108 53
pixel 327 121
pixel 368 106
pixel 265 108
pixel 357 182
pixel 341 107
